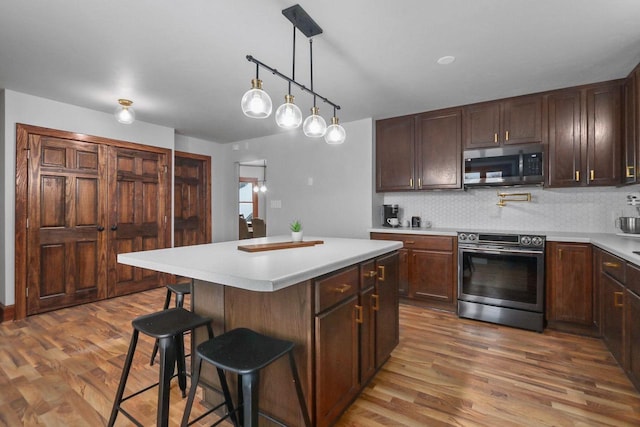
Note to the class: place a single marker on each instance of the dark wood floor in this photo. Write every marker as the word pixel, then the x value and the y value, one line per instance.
pixel 62 369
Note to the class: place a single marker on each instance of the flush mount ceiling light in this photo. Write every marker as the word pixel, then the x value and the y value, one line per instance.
pixel 288 115
pixel 446 60
pixel 124 113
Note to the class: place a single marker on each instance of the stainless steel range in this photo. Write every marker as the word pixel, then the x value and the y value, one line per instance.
pixel 501 279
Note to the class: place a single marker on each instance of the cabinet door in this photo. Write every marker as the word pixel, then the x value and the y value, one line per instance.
pixel 336 348
pixel 603 135
pixel 432 276
pixel 630 141
pixel 570 284
pixel 386 307
pixel 522 120
pixel 612 300
pixel 395 140
pixel 403 275
pixel 565 139
pixel 632 336
pixel 367 336
pixel 439 150
pixel 482 125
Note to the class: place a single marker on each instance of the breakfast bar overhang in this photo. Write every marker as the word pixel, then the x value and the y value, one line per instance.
pixel 337 300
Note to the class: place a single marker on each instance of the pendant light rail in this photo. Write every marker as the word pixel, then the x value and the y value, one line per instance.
pixel 290 80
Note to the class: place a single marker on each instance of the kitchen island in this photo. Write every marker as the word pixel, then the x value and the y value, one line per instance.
pixel 338 301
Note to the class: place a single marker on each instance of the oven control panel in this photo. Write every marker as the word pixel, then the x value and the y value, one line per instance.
pixel 525 240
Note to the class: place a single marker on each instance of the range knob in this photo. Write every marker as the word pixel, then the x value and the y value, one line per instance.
pixel 462 237
pixel 537 241
pixel 472 237
pixel 525 240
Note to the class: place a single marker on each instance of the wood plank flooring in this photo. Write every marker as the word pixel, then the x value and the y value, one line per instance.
pixel 62 369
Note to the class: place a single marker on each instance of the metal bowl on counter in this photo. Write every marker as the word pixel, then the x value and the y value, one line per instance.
pixel 629 224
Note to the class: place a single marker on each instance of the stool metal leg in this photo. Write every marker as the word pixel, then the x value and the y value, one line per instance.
pixel 167 363
pixel 123 378
pixel 195 377
pixel 250 395
pixel 182 369
pixel 167 300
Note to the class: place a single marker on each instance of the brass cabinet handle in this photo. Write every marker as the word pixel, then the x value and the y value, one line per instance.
pixel 359 317
pixel 618 302
pixel 411 182
pixel 381 273
pixel 372 273
pixel 495 138
pixel 506 135
pixel 343 288
pixel 559 254
pixel 419 182
pixel 629 171
pixel 376 302
pixel 577 175
pixel 409 242
pixel 611 264
pixel 592 175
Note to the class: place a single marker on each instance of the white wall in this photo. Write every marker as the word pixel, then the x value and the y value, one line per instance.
pixel 32 110
pixel 566 209
pixel 224 185
pixel 328 188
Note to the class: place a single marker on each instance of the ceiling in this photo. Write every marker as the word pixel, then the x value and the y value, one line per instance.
pixel 183 62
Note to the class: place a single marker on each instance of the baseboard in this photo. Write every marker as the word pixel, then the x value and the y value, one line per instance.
pixel 7 313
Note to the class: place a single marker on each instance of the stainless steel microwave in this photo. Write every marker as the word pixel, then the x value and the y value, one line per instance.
pixel 510 165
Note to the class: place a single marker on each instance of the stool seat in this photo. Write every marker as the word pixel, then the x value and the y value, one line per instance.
pixel 243 351
pixel 169 322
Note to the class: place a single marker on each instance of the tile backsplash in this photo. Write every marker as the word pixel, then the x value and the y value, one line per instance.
pixel 566 209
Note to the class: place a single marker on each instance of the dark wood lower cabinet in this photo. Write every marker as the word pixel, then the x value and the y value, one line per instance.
pixel 612 299
pixel 632 338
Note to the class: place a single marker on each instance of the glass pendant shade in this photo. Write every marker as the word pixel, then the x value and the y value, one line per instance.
pixel 314 126
pixel 256 188
pixel 335 133
pixel 288 115
pixel 256 103
pixel 124 113
pixel 263 187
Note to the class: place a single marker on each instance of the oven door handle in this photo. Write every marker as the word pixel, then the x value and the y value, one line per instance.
pixel 498 251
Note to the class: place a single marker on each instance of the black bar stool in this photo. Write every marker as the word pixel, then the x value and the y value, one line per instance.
pixel 168 327
pixel 180 290
pixel 244 352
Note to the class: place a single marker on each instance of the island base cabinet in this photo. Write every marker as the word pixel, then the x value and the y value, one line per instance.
pixel 613 316
pixel 386 309
pixel 337 376
pixel 632 341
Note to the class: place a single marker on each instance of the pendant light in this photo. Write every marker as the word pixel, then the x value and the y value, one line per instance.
pixel 256 103
pixel 314 126
pixel 288 115
pixel 335 132
pixel 124 113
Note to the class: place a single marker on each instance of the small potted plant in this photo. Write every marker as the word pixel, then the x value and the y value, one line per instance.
pixel 296 231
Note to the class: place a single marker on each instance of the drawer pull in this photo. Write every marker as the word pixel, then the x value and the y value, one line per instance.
pixel 381 273
pixel 611 264
pixel 359 318
pixel 409 242
pixel 372 273
pixel 630 171
pixel 343 288
pixel 376 302
pixel 618 299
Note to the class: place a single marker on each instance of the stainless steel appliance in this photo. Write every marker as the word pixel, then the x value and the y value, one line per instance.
pixel 390 216
pixel 511 165
pixel 501 278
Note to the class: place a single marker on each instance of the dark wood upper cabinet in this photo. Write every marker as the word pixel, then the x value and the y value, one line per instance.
pixel 439 149
pixel 419 152
pixel 584 135
pixel 395 148
pixel 631 127
pixel 510 121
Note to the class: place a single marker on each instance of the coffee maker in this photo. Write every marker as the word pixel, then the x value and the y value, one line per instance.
pixel 390 216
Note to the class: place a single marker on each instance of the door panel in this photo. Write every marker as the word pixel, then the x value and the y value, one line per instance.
pixel 66 197
pixel 192 200
pixel 137 218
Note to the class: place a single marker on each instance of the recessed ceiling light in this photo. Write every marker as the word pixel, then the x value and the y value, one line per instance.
pixel 446 60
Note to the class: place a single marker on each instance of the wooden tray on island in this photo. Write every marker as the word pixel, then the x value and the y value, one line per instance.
pixel 261 247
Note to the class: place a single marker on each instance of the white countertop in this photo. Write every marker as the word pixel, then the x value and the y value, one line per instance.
pixel 622 245
pixel 267 271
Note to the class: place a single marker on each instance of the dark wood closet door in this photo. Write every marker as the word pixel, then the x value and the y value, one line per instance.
pixel 137 215
pixel 65 226
pixel 192 200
